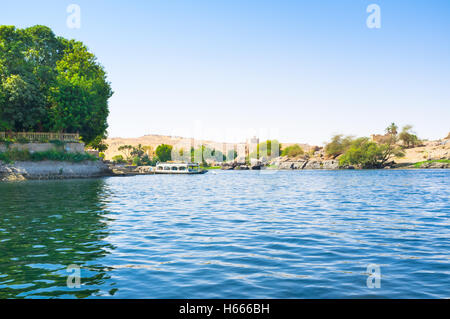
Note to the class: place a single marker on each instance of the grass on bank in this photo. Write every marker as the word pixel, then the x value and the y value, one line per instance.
pixel 419 164
pixel 13 155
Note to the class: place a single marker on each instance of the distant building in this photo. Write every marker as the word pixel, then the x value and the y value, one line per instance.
pixel 252 145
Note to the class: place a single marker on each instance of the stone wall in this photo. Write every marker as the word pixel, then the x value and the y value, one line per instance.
pixel 43 147
pixel 52 170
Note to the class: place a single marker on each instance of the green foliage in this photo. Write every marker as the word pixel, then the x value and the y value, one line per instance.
pixel 136 161
pixel 198 155
pixel 268 149
pixel 53 155
pixel 118 159
pixel 22 140
pixel 420 164
pixel 138 151
pixel 213 155
pixel 392 129
pixel 57 143
pixel 203 153
pixel 7 141
pixel 14 155
pixel 126 149
pixel 232 155
pixel 164 152
pixel 99 143
pixel 408 138
pixel 48 83
pixel 23 104
pixel 367 154
pixel 146 160
pixel 136 155
pixel 62 156
pixel 362 152
pixel 338 145
pixel 293 151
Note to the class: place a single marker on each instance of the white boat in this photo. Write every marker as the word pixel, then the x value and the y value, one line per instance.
pixel 178 168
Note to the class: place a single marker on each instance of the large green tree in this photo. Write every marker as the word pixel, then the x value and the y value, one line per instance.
pixel 339 145
pixel 49 83
pixel 368 154
pixel 23 103
pixel 164 152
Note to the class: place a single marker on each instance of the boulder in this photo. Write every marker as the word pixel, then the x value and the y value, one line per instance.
pixel 330 164
pixel 286 165
pixel 228 165
pixel 255 164
pixel 439 165
pixel 299 164
pixel 314 164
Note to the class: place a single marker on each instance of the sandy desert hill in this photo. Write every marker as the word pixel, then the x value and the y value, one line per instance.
pixel 439 149
pixel 154 140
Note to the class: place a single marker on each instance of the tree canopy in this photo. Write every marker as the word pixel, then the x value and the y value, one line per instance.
pixel 52 84
pixel 408 138
pixel 338 145
pixel 164 152
pixel 293 151
pixel 364 152
pixel 269 149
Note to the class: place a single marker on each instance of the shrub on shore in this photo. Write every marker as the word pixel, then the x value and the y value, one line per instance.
pixel 118 159
pixel 339 145
pixel 53 155
pixel 408 138
pixel 293 151
pixel 420 164
pixel 362 152
pixel 368 154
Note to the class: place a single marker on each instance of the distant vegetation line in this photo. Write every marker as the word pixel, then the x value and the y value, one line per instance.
pixel 363 152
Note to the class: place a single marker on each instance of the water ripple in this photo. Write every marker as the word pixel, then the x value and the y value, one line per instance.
pixel 306 234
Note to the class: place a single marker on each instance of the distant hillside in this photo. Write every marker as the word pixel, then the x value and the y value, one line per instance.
pixel 154 140
pixel 429 150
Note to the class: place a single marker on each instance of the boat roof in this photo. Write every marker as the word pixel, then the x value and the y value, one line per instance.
pixel 177 164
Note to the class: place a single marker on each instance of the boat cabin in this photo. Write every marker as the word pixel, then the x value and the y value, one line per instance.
pixel 178 168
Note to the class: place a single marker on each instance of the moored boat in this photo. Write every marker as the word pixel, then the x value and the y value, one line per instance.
pixel 178 168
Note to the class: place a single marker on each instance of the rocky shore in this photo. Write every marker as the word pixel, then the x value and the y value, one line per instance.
pixel 283 163
pixel 286 163
pixel 52 170
pixel 49 170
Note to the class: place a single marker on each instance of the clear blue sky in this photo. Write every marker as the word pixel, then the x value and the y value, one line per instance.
pixel 301 69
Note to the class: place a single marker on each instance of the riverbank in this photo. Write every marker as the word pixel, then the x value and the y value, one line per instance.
pixel 51 170
pixel 47 170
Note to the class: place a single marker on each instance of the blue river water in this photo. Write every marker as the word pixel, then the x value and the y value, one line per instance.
pixel 229 234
